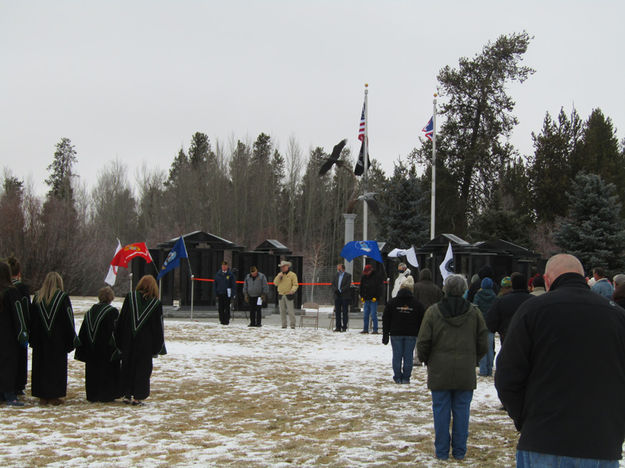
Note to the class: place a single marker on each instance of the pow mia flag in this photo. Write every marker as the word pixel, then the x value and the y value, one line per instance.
pixel 447 266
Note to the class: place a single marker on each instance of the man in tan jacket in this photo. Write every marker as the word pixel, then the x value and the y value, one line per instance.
pixel 287 284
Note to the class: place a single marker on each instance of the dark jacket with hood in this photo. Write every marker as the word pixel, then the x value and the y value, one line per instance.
pixel 485 272
pixel 402 315
pixel 484 300
pixel 561 372
pixel 451 341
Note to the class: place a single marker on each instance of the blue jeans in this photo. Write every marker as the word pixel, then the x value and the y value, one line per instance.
pixel 403 350
pixel 444 403
pixel 486 363
pixel 525 459
pixel 371 310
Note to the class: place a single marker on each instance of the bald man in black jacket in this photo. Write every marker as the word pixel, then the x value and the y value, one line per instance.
pixel 561 372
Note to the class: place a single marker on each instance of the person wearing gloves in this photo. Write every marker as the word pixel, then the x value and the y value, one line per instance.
pixel 286 284
pixel 401 321
pixel 451 341
pixel 225 288
pixel 255 290
pixel 403 273
pixel 371 287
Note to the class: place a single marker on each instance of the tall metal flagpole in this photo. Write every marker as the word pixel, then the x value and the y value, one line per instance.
pixel 366 163
pixel 433 205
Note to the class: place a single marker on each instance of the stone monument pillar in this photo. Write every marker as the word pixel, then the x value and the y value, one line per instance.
pixel 350 218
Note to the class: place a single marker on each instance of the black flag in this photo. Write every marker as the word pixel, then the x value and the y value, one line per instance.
pixel 360 165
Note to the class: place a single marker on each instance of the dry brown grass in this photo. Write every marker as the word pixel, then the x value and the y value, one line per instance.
pixel 253 400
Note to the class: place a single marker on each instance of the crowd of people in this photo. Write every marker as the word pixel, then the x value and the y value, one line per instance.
pixel 116 347
pixel 560 372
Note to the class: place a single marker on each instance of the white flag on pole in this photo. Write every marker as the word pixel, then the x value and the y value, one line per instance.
pixel 410 254
pixel 112 274
pixel 447 267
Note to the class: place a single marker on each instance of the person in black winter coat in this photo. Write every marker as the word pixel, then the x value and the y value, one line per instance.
pixel 504 308
pixel 371 287
pixel 561 373
pixel 402 320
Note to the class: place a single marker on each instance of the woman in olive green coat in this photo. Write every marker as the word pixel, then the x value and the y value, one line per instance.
pixel 451 342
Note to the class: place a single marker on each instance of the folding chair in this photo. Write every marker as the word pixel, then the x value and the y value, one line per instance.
pixel 310 310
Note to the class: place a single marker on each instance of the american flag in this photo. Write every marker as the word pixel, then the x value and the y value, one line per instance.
pixel 429 129
pixel 363 123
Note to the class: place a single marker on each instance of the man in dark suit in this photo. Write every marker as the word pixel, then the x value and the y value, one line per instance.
pixel 341 285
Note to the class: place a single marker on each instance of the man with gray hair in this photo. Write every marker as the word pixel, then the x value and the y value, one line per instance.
pixel 618 280
pixel 451 341
pixel 561 373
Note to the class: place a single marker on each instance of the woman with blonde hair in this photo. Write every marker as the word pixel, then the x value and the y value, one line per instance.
pixel 52 337
pixel 98 351
pixel 139 336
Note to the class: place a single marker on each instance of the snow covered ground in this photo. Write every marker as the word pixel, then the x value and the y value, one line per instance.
pixel 239 396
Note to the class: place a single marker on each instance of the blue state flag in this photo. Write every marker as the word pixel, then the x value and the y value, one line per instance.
pixel 354 249
pixel 173 259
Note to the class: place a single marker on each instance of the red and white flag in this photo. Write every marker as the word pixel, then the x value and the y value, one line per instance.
pixel 363 123
pixel 112 274
pixel 130 251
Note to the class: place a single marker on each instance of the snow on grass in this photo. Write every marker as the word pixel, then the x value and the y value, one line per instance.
pixel 239 396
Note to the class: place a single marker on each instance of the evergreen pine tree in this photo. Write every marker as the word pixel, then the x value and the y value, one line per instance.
pixel 402 221
pixel 593 231
pixel 60 180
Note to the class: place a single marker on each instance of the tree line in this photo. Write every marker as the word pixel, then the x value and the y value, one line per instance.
pixel 567 195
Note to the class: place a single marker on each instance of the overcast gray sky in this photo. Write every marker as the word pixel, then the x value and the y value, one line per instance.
pixel 135 79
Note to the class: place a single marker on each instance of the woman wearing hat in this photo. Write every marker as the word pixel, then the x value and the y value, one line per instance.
pixel 287 284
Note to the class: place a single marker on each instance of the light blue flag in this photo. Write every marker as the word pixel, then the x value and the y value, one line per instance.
pixel 173 259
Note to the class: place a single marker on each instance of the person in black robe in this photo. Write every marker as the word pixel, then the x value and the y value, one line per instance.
pixel 97 349
pixel 52 337
pixel 139 336
pixel 24 308
pixel 12 334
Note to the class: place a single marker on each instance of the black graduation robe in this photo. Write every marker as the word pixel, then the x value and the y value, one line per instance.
pixel 97 349
pixel 13 335
pixel 52 337
pixel 139 336
pixel 22 367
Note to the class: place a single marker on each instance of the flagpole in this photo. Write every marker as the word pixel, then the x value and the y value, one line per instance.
pixel 192 279
pixel 433 200
pixel 366 164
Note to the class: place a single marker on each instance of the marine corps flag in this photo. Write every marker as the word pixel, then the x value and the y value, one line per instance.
pixel 130 251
